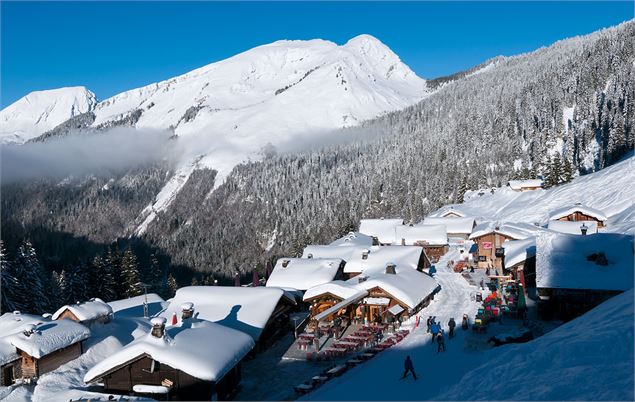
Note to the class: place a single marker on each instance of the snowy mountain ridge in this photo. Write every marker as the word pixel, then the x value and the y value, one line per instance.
pixel 41 111
pixel 287 91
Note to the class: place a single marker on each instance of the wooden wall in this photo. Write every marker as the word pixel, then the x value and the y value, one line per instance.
pixel 185 386
pixel 567 304
pixel 497 240
pixel 31 367
pixel 579 216
pixel 434 253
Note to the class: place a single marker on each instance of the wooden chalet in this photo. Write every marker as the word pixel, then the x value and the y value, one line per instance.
pixel 86 313
pixel 456 227
pixel 383 230
pixel 489 238
pixel 45 346
pixel 303 273
pixel 373 296
pixel 525 185
pixel 432 238
pixel 261 312
pixel 579 213
pixel 10 360
pixel 377 257
pixel 451 212
pixel 576 273
pixel 520 261
pixel 193 360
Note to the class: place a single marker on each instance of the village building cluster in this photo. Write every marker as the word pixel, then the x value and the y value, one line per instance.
pixel 336 298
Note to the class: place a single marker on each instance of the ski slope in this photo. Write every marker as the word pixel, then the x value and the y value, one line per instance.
pixel 609 190
pixel 590 358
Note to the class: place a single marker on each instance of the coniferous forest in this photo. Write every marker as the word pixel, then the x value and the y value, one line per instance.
pixel 560 111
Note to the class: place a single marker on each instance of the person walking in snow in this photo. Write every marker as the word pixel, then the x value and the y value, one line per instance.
pixel 409 368
pixel 451 325
pixel 429 323
pixel 435 329
pixel 440 342
pixel 482 285
pixel 465 324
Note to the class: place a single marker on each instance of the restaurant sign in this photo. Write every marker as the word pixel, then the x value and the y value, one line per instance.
pixel 487 245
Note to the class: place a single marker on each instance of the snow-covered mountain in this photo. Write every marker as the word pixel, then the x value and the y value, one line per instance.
pixel 41 111
pixel 227 112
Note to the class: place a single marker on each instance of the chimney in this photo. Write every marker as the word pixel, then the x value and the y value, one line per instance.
pixel 390 269
pixel 158 327
pixel 361 278
pixel 187 310
pixel 29 330
pixel 309 255
pixel 403 241
pixel 285 263
pixel 365 254
pixel 583 229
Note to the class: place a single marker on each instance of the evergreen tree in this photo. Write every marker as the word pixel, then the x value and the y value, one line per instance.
pixel 172 286
pixel 130 274
pixel 156 279
pixel 76 284
pixel 113 265
pixel 10 300
pixel 567 171
pixel 28 275
pixel 104 286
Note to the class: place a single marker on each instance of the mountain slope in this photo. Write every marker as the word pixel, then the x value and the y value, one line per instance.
pixel 41 111
pixel 609 190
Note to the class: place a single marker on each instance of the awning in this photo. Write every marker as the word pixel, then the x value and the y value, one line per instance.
pixel 337 307
pixel 396 309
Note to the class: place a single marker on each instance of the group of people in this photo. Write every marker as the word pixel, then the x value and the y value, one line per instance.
pixel 438 333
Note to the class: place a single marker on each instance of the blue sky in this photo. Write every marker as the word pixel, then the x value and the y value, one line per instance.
pixel 110 47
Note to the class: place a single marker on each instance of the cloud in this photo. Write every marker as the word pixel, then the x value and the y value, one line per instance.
pixel 99 154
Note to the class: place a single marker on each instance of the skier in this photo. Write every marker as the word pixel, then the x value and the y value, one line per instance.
pixel 465 324
pixel 440 342
pixel 429 323
pixel 409 368
pixel 435 328
pixel 451 325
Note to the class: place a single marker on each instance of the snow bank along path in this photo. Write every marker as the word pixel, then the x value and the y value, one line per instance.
pixel 436 372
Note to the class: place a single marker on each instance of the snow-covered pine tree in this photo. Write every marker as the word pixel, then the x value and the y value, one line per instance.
pixel 155 279
pixel 130 274
pixel 28 274
pixel 104 284
pixel 9 300
pixel 172 286
pixel 567 171
pixel 76 287
pixel 113 264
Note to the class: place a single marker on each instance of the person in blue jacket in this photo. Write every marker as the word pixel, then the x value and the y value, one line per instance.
pixel 435 328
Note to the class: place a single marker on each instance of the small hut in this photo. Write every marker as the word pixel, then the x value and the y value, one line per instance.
pixel 87 313
pixel 578 213
pixel 194 360
pixel 45 346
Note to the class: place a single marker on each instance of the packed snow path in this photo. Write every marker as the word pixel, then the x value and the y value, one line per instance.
pixel 435 371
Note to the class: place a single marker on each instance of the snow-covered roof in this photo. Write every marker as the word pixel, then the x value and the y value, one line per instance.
pixel 303 273
pixel 342 289
pixel 516 231
pixel 11 323
pixel 382 229
pixel 353 239
pixel 570 209
pixel 49 336
pixel 448 211
pixel 573 227
pixel 564 261
pixel 86 311
pixel 379 256
pixel 520 184
pixel 453 225
pixel 133 306
pixel 206 351
pixel 407 285
pixel 246 309
pixel 342 253
pixel 517 251
pixel 434 235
